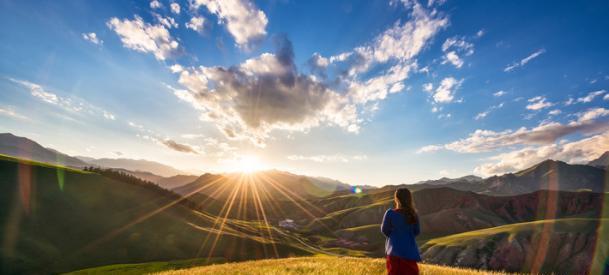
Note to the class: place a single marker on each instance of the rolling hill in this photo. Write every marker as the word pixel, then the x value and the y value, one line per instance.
pixel 57 219
pixel 566 246
pixel 136 165
pixel 25 148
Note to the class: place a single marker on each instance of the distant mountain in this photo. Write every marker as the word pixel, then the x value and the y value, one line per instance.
pixel 25 148
pixel 136 165
pixel 445 180
pixel 176 181
pixel 601 162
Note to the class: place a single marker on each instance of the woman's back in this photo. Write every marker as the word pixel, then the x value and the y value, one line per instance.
pixel 400 235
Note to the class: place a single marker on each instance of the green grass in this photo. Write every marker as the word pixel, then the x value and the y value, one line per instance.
pixel 559 225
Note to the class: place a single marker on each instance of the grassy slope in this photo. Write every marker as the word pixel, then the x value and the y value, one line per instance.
pixel 301 265
pixel 53 218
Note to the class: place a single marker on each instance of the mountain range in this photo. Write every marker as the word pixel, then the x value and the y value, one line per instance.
pixel 57 218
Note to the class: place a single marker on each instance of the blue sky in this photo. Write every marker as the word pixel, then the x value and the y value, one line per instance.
pixel 368 92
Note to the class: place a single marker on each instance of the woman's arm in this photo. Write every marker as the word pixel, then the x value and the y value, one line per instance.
pixel 417 228
pixel 386 224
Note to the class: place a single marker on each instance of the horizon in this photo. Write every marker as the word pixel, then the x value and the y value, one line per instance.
pixel 377 94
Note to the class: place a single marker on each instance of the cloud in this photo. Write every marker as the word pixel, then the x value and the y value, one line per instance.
pixel 92 37
pixel 454 46
pixel 606 97
pixel 591 96
pixel 538 103
pixel 581 151
pixel 175 8
pixel 428 87
pixel 243 20
pixel 196 23
pixel 587 123
pixel 445 93
pixel 143 37
pixel 12 114
pixel 155 4
pixel 248 101
pixel 524 61
pixel 555 112
pixel 430 148
pixel 499 93
pixel 176 68
pixel 184 148
pixel 482 115
pixel 328 158
pixel 70 104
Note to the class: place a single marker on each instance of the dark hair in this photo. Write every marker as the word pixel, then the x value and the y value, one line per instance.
pixel 404 204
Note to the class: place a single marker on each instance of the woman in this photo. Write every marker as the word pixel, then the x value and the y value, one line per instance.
pixel 401 226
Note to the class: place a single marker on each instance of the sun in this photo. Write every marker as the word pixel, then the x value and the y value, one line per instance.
pixel 248 164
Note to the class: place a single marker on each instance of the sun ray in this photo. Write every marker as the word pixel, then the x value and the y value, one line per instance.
pixel 230 206
pixel 268 227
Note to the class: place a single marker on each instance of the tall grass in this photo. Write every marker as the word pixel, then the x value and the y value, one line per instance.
pixel 317 266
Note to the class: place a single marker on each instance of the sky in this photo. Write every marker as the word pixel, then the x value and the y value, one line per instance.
pixel 366 92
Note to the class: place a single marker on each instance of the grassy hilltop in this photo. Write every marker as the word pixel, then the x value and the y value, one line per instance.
pixel 291 266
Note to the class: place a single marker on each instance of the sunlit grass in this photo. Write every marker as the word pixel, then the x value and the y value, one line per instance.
pixel 316 265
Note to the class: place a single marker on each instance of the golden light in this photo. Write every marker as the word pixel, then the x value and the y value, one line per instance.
pixel 248 164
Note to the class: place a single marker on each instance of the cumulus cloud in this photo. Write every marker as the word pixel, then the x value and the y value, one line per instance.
pixel 606 97
pixel 155 4
pixel 581 151
pixel 92 37
pixel 555 112
pixel 524 61
pixel 428 87
pixel 196 23
pixel 445 93
pixel 591 96
pixel 175 8
pixel 455 46
pixel 143 37
pixel 538 103
pixel 588 123
pixel 267 92
pixel 328 158
pixel 243 20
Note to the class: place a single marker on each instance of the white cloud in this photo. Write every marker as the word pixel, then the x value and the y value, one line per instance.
pixel 328 158
pixel 92 37
pixel 587 123
pixel 538 103
pixel 175 8
pixel 143 37
pixel 482 115
pixel 155 4
pixel 555 112
pixel 524 61
pixel 606 97
pixel 480 33
pixel 243 20
pixel 499 93
pixel 11 113
pixel 430 148
pixel 167 21
pixel 452 58
pixel 428 87
pixel 445 93
pixel 70 104
pixel 176 68
pixel 591 96
pixel 196 23
pixel 454 46
pixel 581 151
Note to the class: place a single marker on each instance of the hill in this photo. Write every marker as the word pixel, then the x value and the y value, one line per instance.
pixel 136 165
pixel 601 162
pixel 25 148
pixel 289 266
pixel 57 219
pixel 565 246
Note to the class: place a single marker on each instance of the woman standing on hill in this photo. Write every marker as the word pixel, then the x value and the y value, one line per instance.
pixel 401 226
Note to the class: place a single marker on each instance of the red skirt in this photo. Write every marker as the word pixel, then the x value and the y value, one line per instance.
pixel 400 266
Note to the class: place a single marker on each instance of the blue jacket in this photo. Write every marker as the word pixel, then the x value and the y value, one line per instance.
pixel 400 236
